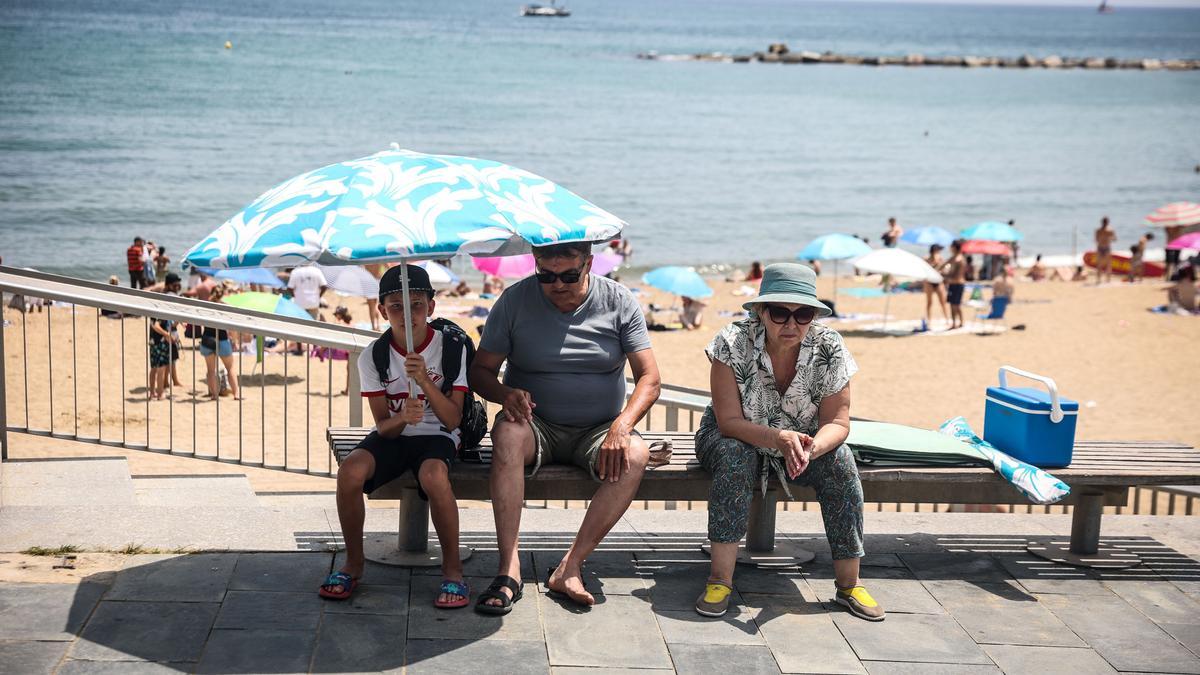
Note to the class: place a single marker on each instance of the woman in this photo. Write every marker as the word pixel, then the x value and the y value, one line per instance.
pixel 692 316
pixel 781 401
pixel 935 261
pixel 215 343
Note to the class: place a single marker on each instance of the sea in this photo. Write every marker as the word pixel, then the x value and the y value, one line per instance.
pixel 131 117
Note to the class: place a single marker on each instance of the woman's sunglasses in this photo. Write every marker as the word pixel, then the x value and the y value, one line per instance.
pixel 780 315
pixel 568 277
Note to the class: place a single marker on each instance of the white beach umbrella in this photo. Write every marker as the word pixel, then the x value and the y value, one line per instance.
pixel 898 263
pixel 351 280
pixel 438 274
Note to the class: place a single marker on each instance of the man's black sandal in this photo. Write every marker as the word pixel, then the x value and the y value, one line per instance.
pixel 493 592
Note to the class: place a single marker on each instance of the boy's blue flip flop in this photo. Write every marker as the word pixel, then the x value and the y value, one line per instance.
pixel 459 588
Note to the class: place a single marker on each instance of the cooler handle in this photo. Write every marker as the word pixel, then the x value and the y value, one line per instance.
pixel 1056 413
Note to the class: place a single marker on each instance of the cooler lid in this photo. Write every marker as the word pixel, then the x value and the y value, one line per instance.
pixel 1028 398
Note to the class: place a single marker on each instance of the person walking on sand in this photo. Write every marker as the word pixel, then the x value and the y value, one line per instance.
pixel 1137 265
pixel 162 263
pixel 931 289
pixel 417 428
pixel 955 272
pixel 1105 236
pixel 567 335
pixel 1171 260
pixel 133 261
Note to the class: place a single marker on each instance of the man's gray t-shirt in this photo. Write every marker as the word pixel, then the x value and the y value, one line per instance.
pixel 572 364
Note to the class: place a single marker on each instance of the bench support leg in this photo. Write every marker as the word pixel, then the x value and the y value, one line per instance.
pixel 760 549
pixel 1084 548
pixel 411 548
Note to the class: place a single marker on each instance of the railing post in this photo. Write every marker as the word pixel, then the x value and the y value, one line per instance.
pixel 672 418
pixel 354 391
pixel 3 394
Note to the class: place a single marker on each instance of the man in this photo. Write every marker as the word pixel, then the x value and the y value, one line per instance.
pixel 308 284
pixel 566 335
pixel 133 259
pixel 1172 254
pixel 1137 265
pixel 954 272
pixel 203 289
pixel 1104 241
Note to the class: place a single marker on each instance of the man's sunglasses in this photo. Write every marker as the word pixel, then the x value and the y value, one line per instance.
pixel 568 277
pixel 802 316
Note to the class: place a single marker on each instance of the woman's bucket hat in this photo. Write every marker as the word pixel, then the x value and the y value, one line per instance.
pixel 790 283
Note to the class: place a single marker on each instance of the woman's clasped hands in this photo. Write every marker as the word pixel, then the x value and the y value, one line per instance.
pixel 797 450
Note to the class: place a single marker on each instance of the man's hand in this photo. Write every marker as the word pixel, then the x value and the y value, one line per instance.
pixel 414 367
pixel 613 459
pixel 518 406
pixel 796 449
pixel 412 410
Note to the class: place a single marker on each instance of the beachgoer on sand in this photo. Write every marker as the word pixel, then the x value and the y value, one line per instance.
pixel 931 289
pixel 1182 294
pixel 955 273
pixel 417 417
pixel 692 316
pixel 149 252
pixel 1105 236
pixel 133 260
pixel 567 335
pixel 308 284
pixel 219 344
pixel 162 264
pixel 756 271
pixel 781 408
pixel 1171 261
pixel 1137 265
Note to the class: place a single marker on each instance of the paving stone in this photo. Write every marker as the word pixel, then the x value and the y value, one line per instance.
pixel 676 586
pixel 149 631
pixel 372 599
pixel 28 656
pixel 427 621
pixel 572 670
pixel 98 481
pixel 377 574
pixel 1021 660
pixel 901 668
pixel 225 489
pixel 202 577
pixel 266 609
pixel 468 656
pixel 1125 638
pixel 360 643
pixel 1038 575
pixel 1159 600
pixel 46 611
pixel 605 572
pixel 74 667
pixel 747 579
pixel 620 632
pixel 682 627
pixel 894 588
pixel 929 638
pixel 697 659
pixel 802 636
pixel 1002 614
pixel 483 564
pixel 258 651
pixel 1187 633
pixel 955 566
pixel 280 571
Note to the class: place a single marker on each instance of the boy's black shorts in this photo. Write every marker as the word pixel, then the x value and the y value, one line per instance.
pixel 394 456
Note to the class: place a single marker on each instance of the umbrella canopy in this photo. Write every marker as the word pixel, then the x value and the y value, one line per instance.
pixel 438 274
pixel 351 280
pixel 833 247
pixel 678 280
pixel 986 247
pixel 268 303
pixel 403 205
pixel 603 263
pixel 897 262
pixel 253 275
pixel 1191 240
pixel 510 267
pixel 1175 214
pixel 993 231
pixel 927 236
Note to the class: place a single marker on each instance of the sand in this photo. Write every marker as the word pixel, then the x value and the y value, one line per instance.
pixel 1134 373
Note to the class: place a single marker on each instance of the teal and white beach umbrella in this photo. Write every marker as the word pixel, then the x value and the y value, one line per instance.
pixel 400 205
pixel 836 247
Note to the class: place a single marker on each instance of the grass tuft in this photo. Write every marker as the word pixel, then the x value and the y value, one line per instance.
pixel 43 551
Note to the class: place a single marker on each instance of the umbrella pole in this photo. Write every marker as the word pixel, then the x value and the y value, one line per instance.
pixel 835 280
pixel 887 301
pixel 408 337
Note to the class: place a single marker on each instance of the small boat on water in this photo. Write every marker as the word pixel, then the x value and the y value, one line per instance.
pixel 542 10
pixel 1104 8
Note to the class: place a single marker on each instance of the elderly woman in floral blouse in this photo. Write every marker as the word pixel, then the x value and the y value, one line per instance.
pixel 781 404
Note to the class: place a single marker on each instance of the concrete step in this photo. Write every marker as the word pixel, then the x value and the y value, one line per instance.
pixel 227 490
pixel 77 481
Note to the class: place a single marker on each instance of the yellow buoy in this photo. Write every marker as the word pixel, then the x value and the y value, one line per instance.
pixel 228 44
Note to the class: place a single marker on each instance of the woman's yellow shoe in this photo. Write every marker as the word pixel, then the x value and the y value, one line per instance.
pixel 714 601
pixel 860 603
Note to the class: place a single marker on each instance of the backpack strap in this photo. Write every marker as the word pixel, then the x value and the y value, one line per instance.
pixel 381 356
pixel 453 339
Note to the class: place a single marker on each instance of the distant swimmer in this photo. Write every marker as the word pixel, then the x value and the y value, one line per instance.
pixel 228 44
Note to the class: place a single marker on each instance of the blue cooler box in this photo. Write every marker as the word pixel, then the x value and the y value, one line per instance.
pixel 1033 425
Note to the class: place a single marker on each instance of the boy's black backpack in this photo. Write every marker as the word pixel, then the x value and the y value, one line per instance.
pixel 454 341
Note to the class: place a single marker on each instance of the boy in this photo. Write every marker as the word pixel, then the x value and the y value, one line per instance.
pixel 412 432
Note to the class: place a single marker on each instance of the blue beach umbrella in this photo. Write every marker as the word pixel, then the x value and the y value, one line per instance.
pixel 992 230
pixel 678 280
pixel 927 236
pixel 835 247
pixel 252 275
pixel 401 205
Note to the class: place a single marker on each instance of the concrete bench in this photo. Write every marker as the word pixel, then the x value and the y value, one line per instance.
pixel 1100 475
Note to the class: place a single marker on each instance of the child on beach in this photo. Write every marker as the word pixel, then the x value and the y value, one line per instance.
pixel 417 423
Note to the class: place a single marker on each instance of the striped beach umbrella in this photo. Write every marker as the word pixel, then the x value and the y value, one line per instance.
pixel 1176 214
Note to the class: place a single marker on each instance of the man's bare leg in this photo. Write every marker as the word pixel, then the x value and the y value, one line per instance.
pixel 355 470
pixel 609 504
pixel 513 449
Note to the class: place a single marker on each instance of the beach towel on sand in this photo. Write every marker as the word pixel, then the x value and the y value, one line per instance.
pixel 883 444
